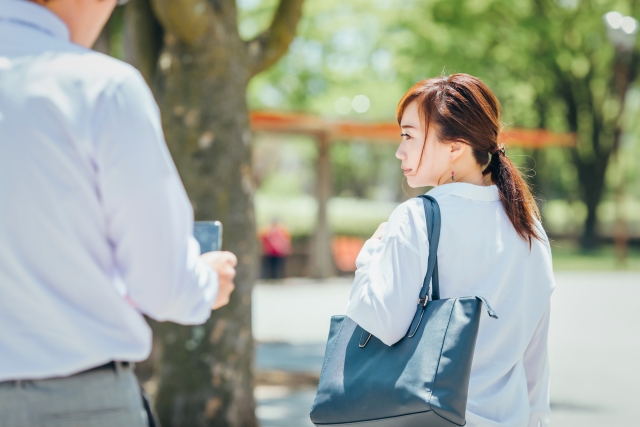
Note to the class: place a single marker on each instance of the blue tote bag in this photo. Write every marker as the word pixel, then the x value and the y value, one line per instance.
pixel 422 380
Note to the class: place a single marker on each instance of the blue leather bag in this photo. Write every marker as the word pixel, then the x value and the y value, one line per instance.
pixel 422 380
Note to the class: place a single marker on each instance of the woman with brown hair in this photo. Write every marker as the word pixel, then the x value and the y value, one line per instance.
pixel 492 244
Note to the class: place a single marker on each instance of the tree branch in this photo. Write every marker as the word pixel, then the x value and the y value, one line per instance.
pixel 185 19
pixel 267 48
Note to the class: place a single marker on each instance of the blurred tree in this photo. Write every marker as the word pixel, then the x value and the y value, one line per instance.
pixel 338 52
pixel 548 60
pixel 192 55
pixel 366 171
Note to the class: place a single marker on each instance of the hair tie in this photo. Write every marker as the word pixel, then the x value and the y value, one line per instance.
pixel 500 148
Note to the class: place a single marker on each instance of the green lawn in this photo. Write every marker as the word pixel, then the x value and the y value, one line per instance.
pixel 568 256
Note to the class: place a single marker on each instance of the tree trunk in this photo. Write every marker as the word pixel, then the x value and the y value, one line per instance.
pixel 143 34
pixel 604 141
pixel 322 265
pixel 592 179
pixel 206 372
pixel 591 164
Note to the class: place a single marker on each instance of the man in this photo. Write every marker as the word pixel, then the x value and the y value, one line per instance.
pixel 95 225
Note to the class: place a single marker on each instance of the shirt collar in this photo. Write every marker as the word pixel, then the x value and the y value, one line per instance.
pixel 468 191
pixel 31 15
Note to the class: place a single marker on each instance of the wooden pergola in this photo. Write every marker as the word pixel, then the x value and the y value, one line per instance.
pixel 326 131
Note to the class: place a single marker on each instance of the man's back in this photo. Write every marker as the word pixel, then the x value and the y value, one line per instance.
pixel 95 226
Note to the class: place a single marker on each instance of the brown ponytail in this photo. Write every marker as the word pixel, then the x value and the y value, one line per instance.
pixel 462 108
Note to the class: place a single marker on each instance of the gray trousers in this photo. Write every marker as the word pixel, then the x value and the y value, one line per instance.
pixel 101 398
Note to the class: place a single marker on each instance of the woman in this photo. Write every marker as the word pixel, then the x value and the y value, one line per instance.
pixel 491 244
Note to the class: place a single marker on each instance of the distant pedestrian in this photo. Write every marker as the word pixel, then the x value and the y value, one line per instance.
pixel 96 229
pixel 276 247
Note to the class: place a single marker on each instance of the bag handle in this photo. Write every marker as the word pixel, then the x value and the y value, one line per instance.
pixel 432 212
pixel 433 218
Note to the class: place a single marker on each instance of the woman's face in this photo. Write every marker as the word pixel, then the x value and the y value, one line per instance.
pixel 435 167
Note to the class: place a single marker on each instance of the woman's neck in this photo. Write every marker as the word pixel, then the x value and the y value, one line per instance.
pixel 473 177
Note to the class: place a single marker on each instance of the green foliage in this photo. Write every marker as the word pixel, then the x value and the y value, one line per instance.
pixel 381 48
pixel 549 61
pixel 365 171
pixel 283 166
pixel 337 52
pixel 551 65
pixel 529 52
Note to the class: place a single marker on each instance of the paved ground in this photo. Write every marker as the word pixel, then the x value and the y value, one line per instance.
pixel 594 346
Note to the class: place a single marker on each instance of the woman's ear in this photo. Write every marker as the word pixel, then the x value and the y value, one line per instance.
pixel 457 148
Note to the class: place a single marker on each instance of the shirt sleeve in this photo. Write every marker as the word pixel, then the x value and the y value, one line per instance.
pixel 536 366
pixel 386 288
pixel 148 216
pixel 370 246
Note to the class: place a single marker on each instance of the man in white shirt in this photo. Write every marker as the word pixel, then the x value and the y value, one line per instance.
pixel 95 225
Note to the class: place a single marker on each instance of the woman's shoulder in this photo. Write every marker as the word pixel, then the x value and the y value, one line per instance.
pixel 406 213
pixel 543 239
pixel 407 224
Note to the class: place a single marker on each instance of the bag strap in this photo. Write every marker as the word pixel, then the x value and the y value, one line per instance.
pixel 432 216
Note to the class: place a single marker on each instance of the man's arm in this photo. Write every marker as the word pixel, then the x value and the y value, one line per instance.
pixel 148 217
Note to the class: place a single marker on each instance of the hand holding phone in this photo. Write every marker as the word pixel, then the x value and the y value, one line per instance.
pixel 224 263
pixel 209 236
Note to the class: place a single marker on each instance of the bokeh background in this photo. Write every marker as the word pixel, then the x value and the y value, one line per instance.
pixel 284 110
pixel 540 58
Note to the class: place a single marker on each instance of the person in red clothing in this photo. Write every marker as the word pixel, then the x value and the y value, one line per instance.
pixel 276 247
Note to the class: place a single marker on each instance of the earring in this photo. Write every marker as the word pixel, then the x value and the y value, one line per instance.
pixel 453 174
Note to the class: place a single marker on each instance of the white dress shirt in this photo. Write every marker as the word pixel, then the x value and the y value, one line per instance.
pixel 95 225
pixel 479 254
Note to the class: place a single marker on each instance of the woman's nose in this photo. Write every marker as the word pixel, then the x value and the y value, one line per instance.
pixel 400 154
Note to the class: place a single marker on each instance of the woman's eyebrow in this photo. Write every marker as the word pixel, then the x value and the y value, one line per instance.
pixel 407 127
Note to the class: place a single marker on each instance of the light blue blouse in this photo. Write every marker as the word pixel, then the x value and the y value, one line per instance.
pixel 95 225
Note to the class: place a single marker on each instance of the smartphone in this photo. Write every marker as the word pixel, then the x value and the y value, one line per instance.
pixel 209 235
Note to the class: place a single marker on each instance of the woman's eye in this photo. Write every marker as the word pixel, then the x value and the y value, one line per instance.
pixel 405 135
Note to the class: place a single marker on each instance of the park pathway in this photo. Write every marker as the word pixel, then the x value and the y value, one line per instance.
pixel 594 347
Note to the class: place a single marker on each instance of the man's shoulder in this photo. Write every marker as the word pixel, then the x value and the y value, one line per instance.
pixel 87 66
pixel 82 82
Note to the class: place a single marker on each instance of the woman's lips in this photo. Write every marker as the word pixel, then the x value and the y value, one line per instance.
pixel 407 171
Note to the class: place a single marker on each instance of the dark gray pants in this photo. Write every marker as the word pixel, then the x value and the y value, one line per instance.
pixel 101 398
